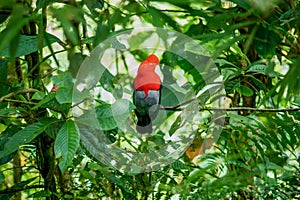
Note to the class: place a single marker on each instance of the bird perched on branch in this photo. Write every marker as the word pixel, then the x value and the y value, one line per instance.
pixel 147 94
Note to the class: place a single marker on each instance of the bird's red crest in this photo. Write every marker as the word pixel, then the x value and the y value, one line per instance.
pixel 153 59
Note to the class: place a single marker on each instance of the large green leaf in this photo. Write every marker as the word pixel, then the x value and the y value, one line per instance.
pixel 12 29
pixel 172 95
pixel 63 80
pixel 28 44
pixel 66 144
pixel 45 100
pixel 266 42
pixel 64 95
pixel 156 16
pixel 25 135
pixel 173 60
pixel 244 90
pixel 111 116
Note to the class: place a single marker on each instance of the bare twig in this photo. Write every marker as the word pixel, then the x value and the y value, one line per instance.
pixel 17 101
pixel 253 109
pixel 179 108
pixel 17 92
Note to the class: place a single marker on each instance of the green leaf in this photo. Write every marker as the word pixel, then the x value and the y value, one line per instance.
pixel 15 24
pixel 173 60
pixel 64 95
pixel 66 144
pixel 258 68
pixel 28 44
pixel 172 95
pixel 102 33
pixel 175 126
pixel 245 91
pixel 266 42
pixel 258 82
pixel 45 100
pixel 105 117
pixel 219 21
pixel 25 135
pixel 166 18
pixel 112 116
pixel 38 95
pixel 8 111
pixel 64 79
pixel 65 82
pixel 5 136
pixel 136 40
pixel 178 165
pixel 156 16
pixel 75 62
pixel 106 81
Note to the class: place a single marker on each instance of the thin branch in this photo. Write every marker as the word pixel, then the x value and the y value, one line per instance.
pixel 179 108
pixel 14 190
pixel 253 109
pixel 17 101
pixel 17 92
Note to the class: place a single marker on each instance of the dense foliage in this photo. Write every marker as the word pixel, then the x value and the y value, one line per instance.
pixel 255 45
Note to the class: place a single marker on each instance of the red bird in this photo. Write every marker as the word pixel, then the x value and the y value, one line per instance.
pixel 147 94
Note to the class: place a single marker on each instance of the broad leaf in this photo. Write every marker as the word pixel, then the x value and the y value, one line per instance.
pixel 28 44
pixel 64 95
pixel 5 136
pixel 266 42
pixel 245 91
pixel 45 100
pixel 112 116
pixel 66 144
pixel 25 135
